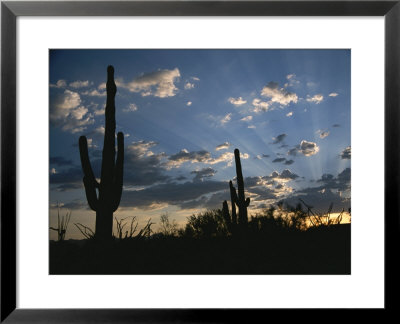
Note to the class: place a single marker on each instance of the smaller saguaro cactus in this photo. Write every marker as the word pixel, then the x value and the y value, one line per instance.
pixel 227 217
pixel 239 197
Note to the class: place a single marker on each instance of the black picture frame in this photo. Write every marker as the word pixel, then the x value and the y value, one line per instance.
pixel 10 10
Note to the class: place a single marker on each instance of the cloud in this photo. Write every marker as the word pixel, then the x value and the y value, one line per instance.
pixel 98 131
pixel 70 175
pixel 285 176
pixel 308 148
pixel 346 153
pixel 311 84
pixel 70 186
pixel 286 162
pixel 203 193
pixel 261 193
pixel 180 178
pixel 76 204
pixel 97 111
pixel 227 157
pixel 223 146
pixel 158 83
pixel 278 95
pixel 247 118
pixel 60 161
pixel 289 114
pixel 344 176
pixel 69 100
pixel 202 156
pixel 292 81
pixel 189 103
pixel 293 151
pixel 333 94
pixel 131 107
pixel 226 118
pixel 79 84
pixel 317 99
pixel 94 93
pixel 189 86
pixel 320 199
pixel 184 155
pixel 251 126
pixel 334 190
pixel 237 101
pixel 324 134
pixel 279 138
pixel 203 173
pixel 143 166
pixel 179 194
pixel 79 112
pixel 59 84
pixel 260 105
pixel 67 113
pixel 90 143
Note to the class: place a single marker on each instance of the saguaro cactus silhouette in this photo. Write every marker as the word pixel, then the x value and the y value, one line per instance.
pixel 104 197
pixel 227 216
pixel 238 197
pixel 230 218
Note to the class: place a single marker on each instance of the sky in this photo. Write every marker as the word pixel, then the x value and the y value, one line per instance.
pixel 183 112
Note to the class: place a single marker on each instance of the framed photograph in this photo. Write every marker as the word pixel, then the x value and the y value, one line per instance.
pixel 162 160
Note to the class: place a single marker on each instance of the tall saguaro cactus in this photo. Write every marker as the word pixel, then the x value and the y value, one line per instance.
pixel 238 197
pixel 104 197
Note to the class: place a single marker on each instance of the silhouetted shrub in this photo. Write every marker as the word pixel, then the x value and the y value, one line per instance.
pixel 204 225
pixel 168 228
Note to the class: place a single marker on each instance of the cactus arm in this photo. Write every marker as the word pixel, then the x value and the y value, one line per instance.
pixel 247 202
pixel 119 172
pixel 234 196
pixel 91 194
pixel 85 162
pixel 234 199
pixel 88 179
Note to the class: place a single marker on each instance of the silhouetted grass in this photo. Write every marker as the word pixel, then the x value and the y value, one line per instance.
pixel 62 224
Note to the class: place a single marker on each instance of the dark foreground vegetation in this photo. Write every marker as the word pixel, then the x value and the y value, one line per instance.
pixel 269 244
